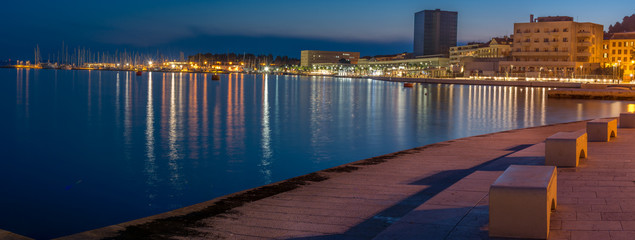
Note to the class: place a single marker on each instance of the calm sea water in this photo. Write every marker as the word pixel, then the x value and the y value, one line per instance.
pixel 87 149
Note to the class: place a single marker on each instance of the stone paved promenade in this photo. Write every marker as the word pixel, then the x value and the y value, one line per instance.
pixel 439 191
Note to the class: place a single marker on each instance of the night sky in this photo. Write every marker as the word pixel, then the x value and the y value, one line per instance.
pixel 279 27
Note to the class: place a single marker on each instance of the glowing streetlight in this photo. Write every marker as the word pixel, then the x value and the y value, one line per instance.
pixel 149 62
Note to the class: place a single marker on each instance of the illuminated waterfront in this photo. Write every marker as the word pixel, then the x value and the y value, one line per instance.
pixel 85 149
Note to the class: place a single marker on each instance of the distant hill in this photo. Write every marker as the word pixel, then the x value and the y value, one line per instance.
pixel 627 25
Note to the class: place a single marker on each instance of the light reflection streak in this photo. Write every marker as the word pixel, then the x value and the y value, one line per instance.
pixel 89 98
pixel 127 122
pixel 267 152
pixel 173 155
pixel 193 128
pixel 205 121
pixel 150 163
pixel 543 107
pixel 117 97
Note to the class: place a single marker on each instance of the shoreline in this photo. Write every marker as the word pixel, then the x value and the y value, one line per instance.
pixel 513 83
pixel 482 82
pixel 226 204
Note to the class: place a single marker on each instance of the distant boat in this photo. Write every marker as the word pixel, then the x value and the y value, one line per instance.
pixel 408 85
pixel 215 77
pixel 48 65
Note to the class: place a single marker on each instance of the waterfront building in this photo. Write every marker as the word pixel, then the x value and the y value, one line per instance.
pixel 310 57
pixel 554 47
pixel 497 49
pixel 434 32
pixel 398 56
pixel 417 67
pixel 618 54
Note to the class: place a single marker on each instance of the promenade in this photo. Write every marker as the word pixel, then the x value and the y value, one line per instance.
pixel 438 191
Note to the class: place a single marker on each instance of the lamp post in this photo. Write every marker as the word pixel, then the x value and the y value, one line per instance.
pixel 511 70
pixel 581 72
pixel 619 70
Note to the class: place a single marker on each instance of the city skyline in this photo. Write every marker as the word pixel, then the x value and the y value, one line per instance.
pixel 277 27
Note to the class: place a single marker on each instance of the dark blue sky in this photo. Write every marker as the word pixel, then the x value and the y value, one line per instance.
pixel 280 27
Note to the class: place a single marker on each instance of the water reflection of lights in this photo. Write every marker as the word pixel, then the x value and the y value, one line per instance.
pixel 150 163
pixel 174 154
pixel 267 152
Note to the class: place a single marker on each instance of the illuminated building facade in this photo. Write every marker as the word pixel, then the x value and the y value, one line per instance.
pixel 618 52
pixel 496 48
pixel 555 47
pixel 310 57
pixel 434 32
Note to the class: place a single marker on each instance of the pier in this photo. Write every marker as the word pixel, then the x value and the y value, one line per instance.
pixel 439 191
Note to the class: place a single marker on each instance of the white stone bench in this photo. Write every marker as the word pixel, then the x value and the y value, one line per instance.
pixel 564 149
pixel 627 120
pixel 521 200
pixel 601 130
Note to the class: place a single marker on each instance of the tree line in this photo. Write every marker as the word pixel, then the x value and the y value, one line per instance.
pixel 627 25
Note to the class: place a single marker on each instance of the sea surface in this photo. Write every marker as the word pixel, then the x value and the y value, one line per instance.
pixel 86 149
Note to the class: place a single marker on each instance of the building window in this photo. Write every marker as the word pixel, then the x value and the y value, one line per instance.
pixel 518 31
pixel 565 30
pixel 555 49
pixel 606 46
pixel 619 44
pixel 537 50
pixel 537 30
pixel 536 40
pixel 613 52
pixel 619 51
pixel 546 39
pixel 606 55
pixel 613 44
pixel 565 39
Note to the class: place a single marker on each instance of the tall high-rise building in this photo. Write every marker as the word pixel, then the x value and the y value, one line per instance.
pixel 435 32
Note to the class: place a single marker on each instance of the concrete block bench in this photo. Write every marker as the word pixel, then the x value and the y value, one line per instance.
pixel 601 130
pixel 627 120
pixel 564 149
pixel 521 200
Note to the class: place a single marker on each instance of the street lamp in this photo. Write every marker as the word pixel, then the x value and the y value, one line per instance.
pixel 581 73
pixel 619 70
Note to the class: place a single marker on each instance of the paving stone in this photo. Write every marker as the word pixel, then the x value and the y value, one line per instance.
pixel 622 235
pixel 591 225
pixel 404 230
pixel 436 214
pixel 590 235
pixel 559 235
